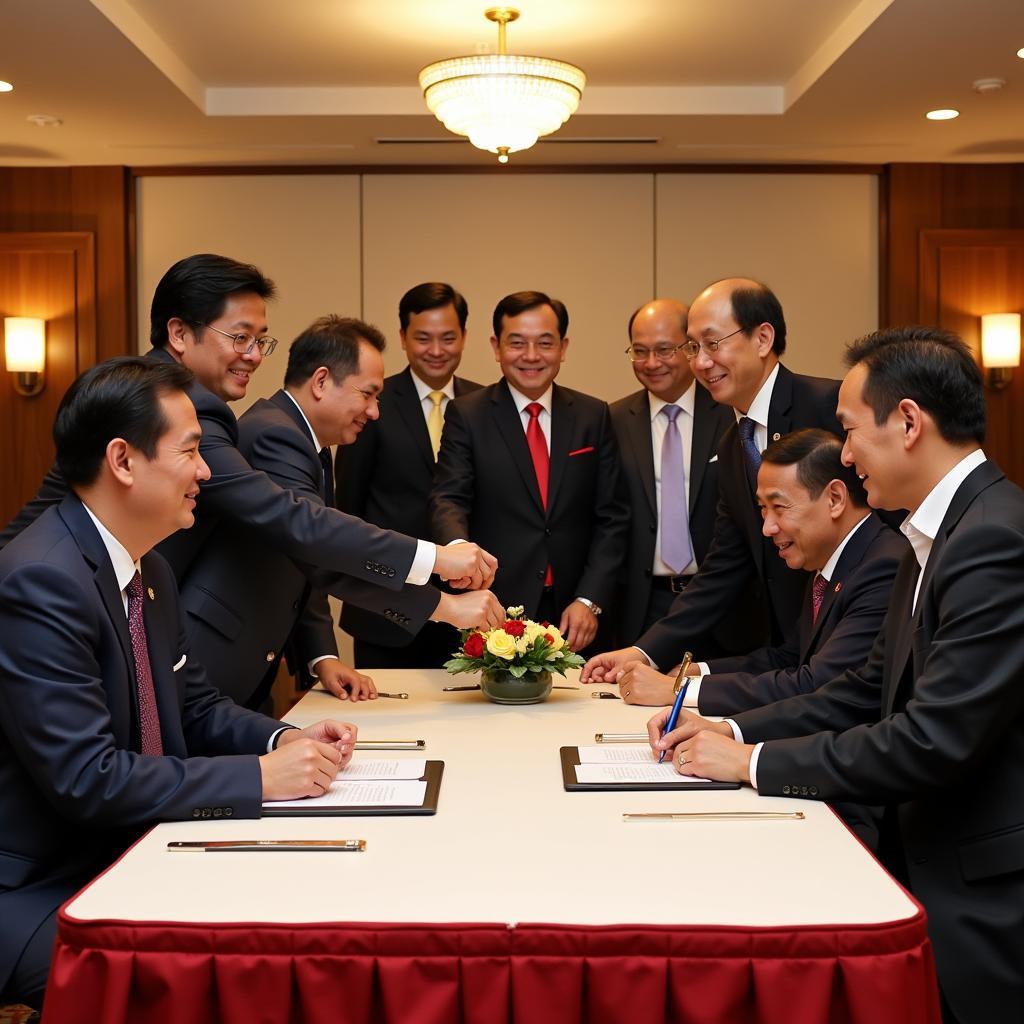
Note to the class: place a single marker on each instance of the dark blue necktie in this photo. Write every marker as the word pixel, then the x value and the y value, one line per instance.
pixel 751 455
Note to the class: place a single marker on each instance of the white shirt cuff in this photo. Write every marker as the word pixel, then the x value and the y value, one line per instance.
pixel 753 764
pixel 316 661
pixel 646 655
pixel 423 564
pixel 705 669
pixel 273 737
pixel 692 697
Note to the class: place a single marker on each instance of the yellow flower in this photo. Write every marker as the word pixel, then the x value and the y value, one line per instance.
pixel 501 645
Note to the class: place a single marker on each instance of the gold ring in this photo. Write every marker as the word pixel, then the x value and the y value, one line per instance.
pixel 625 693
pixel 682 758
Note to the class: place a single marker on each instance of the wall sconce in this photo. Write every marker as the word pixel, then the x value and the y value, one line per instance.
pixel 1000 347
pixel 25 351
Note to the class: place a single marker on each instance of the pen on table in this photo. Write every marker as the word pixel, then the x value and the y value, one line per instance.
pixel 718 816
pixel 269 846
pixel 680 687
pixel 459 689
pixel 393 696
pixel 390 744
pixel 620 737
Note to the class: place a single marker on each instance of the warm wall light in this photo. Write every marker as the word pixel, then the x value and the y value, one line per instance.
pixel 1000 346
pixel 25 352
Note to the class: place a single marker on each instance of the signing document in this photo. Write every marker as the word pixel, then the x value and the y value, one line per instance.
pixel 381 783
pixel 626 762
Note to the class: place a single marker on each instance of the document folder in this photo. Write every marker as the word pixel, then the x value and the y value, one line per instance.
pixel 571 758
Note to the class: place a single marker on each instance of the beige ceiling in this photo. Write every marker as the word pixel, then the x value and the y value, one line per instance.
pixel 146 82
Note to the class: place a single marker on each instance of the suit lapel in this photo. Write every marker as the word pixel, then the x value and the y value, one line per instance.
pixel 162 659
pixel 638 436
pixel 702 441
pixel 292 411
pixel 900 628
pixel 780 408
pixel 563 419
pixel 407 405
pixel 510 426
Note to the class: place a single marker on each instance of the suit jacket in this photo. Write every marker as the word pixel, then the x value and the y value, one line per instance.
pixel 74 789
pixel 851 614
pixel 740 555
pixel 324 541
pixel 631 418
pixel 485 490
pixel 385 477
pixel 933 725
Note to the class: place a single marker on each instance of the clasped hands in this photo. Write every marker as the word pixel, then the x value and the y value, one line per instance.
pixel 465 566
pixel 307 760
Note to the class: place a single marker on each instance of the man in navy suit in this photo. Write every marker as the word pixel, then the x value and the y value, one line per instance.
pixel 932 723
pixel 815 511
pixel 386 474
pixel 107 723
pixel 209 314
pixel 736 335
pixel 530 470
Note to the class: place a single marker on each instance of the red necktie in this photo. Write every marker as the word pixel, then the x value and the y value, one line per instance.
pixel 818 588
pixel 541 461
pixel 149 719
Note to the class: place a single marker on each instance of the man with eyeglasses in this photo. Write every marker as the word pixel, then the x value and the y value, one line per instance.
pixel 668 434
pixel 209 314
pixel 529 469
pixel 736 335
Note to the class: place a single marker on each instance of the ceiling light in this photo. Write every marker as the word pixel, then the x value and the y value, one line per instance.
pixel 503 102
pixel 942 115
pixel 1020 53
pixel 6 87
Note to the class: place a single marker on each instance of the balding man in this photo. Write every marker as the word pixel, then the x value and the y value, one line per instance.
pixel 736 334
pixel 668 435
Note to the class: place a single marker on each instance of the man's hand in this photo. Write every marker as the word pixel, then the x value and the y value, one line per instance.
pixel 306 760
pixel 702 748
pixel 465 566
pixel 479 609
pixel 578 626
pixel 607 667
pixel 642 684
pixel 341 680
pixel 687 726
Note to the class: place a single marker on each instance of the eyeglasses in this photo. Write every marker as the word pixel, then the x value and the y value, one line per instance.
pixel 663 353
pixel 692 348
pixel 244 343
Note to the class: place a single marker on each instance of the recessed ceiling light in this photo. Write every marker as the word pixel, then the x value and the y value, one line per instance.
pixel 6 87
pixel 1020 53
pixel 942 115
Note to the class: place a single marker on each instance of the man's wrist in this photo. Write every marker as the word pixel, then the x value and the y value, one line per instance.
pixel 587 603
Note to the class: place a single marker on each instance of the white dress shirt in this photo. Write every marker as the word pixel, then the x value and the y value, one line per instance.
pixel 426 402
pixel 544 419
pixel 659 426
pixel 759 408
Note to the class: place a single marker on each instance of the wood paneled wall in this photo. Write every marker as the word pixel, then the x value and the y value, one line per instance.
pixel 949 248
pixel 93 200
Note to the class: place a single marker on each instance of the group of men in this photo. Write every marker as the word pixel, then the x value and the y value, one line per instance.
pixel 729 508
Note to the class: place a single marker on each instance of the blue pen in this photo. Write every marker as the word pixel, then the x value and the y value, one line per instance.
pixel 681 685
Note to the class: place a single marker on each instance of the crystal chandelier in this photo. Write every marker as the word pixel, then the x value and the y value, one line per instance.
pixel 502 101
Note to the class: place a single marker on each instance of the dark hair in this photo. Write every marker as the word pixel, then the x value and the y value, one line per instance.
pixel 817 455
pixel 197 288
pixel 639 309
pixel 116 398
pixel 431 295
pixel 756 304
pixel 520 302
pixel 930 366
pixel 331 341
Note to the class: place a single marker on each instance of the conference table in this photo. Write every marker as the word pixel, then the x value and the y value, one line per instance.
pixel 517 902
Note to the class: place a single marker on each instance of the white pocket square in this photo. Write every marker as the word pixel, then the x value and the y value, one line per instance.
pixel 181 661
pixel 714 458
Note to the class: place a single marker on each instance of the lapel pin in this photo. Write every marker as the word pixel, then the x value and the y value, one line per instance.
pixel 151 592
pixel 776 436
pixel 839 586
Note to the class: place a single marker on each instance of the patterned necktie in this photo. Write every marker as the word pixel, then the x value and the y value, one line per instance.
pixel 751 455
pixel 541 461
pixel 676 547
pixel 328 470
pixel 818 588
pixel 149 719
pixel 435 421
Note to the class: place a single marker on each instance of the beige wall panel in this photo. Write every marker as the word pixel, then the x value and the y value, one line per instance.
pixel 812 237
pixel 300 230
pixel 586 239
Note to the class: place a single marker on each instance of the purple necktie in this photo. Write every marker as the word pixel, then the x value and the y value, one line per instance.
pixel 818 588
pixel 149 719
pixel 676 548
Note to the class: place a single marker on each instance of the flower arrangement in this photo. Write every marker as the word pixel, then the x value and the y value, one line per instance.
pixel 518 646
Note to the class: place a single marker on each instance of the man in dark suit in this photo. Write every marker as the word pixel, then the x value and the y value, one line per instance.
pixel 932 724
pixel 736 335
pixel 239 608
pixel 816 513
pixel 386 475
pixel 107 723
pixel 209 314
pixel 531 468
pixel 682 474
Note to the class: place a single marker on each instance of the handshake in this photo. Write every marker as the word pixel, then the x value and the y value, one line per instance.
pixel 467 566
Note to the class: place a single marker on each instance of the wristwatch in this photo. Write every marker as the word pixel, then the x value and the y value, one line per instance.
pixel 587 603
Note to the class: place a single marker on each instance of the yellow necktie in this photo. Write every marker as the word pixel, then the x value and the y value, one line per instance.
pixel 435 421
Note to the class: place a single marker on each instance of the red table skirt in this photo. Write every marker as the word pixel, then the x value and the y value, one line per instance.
pixel 119 971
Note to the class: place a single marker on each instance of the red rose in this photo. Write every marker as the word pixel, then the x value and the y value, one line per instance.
pixel 514 627
pixel 550 639
pixel 474 646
